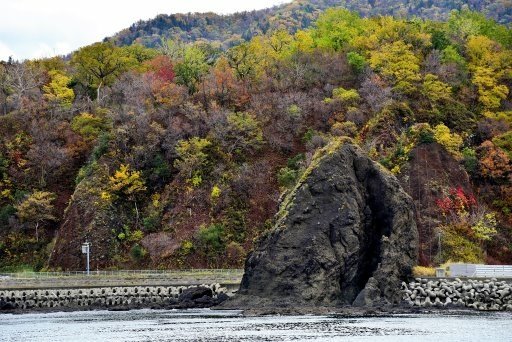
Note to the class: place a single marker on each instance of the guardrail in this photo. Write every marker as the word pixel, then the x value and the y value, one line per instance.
pixel 76 279
pixel 123 273
pixel 481 271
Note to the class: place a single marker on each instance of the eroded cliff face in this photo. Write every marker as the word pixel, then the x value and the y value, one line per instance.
pixel 345 235
pixel 85 219
pixel 430 170
pixel 88 218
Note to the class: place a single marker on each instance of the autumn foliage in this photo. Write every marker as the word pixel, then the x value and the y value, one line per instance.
pixel 456 202
pixel 174 152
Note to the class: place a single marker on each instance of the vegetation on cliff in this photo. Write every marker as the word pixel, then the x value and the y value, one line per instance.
pixel 176 156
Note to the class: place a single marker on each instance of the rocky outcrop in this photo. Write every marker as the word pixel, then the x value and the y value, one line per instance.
pixel 344 236
pixel 89 218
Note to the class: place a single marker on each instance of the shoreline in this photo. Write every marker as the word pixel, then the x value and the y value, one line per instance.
pixel 340 312
pixel 419 296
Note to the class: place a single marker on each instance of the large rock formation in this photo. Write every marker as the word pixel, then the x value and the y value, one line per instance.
pixel 345 235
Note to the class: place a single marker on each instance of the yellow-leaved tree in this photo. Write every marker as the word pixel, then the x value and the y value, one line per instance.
pixel 126 182
pixel 489 63
pixel 485 228
pixel 450 141
pixel 57 90
pixel 434 89
pixel 490 92
pixel 37 208
pixel 5 182
pixel 349 96
pixel 398 64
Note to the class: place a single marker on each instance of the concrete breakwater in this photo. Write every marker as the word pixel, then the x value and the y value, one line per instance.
pixel 103 297
pixel 485 295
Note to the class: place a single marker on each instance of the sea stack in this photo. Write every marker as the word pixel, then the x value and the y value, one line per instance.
pixel 345 235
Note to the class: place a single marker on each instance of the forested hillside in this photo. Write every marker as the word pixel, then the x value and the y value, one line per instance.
pixel 225 31
pixel 178 156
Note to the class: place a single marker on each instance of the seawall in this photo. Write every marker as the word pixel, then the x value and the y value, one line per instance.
pixel 102 297
pixel 479 294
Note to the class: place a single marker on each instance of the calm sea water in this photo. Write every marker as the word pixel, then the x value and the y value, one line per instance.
pixel 220 326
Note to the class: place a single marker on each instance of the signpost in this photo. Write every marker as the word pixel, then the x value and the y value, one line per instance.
pixel 85 250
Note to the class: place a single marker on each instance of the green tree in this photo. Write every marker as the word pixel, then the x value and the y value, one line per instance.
pixel 192 158
pixel 485 228
pixel 243 133
pixel 137 252
pixel 504 141
pixel 211 239
pixel 356 61
pixel 381 31
pixel 89 126
pixel 191 68
pixel 458 247
pixel 279 41
pixel 335 28
pixel 138 53
pixel 465 24
pixel 100 64
pixel 346 96
pixel 243 60
pixel 451 55
pixel 5 182
pixel 490 92
pixel 287 177
pixel 36 209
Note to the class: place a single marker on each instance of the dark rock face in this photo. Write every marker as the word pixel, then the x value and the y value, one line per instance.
pixel 6 305
pixel 345 236
pixel 195 293
pixel 197 297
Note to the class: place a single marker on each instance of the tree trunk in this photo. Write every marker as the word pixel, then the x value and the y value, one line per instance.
pixel 137 215
pixel 42 180
pixel 98 92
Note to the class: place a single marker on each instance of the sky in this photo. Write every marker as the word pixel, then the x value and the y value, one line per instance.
pixel 45 28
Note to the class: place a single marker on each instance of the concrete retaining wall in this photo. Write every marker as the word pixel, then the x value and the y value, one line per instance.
pixel 481 271
pixel 146 296
pixel 486 295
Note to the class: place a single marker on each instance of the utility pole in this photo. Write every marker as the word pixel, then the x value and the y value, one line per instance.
pixel 85 250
